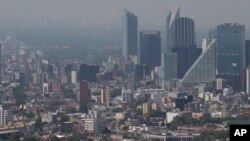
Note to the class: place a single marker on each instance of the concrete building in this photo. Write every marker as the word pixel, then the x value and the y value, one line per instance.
pixel 219 84
pixel 84 94
pixel 45 88
pixel 248 80
pixel 105 96
pixel 6 116
pixel 127 96
pixel 1 116
pixel 49 117
pixel 157 97
pixel 93 125
pixel 146 108
pixel 170 116
pixel 154 106
pixel 119 116
pixel 73 77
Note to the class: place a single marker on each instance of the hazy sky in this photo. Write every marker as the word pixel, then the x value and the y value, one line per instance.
pixel 207 13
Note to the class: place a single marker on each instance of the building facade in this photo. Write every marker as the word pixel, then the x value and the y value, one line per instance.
pixel 105 96
pixel 130 40
pixel 248 80
pixel 84 94
pixel 88 72
pixel 230 53
pixel 150 48
pixel 169 64
pixel 175 13
pixel 185 58
pixel 181 39
pixel 247 53
pixel 203 69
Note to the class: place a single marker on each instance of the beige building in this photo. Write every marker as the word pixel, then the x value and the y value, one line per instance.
pixel 45 88
pixel 154 106
pixel 119 116
pixel 146 108
pixel 197 115
pixel 105 96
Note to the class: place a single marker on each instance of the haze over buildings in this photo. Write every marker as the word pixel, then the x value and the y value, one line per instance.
pixel 117 70
pixel 108 13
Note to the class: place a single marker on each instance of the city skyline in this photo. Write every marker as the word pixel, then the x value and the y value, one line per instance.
pixel 142 76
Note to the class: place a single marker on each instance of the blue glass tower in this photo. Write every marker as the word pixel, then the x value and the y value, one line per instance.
pixel 230 52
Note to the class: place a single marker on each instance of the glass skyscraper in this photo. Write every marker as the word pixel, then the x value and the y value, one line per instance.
pixel 169 64
pixel 180 39
pixel 180 31
pixel 247 53
pixel 184 32
pixel 230 52
pixel 150 48
pixel 130 39
pixel 203 69
pixel 175 13
pixel 1 63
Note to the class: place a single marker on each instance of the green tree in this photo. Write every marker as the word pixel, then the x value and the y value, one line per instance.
pixel 115 92
pixel 138 111
pixel 117 110
pixel 31 138
pixel 158 113
pixel 68 93
pixel 76 137
pixel 53 105
pixel 71 110
pixel 64 118
pixel 84 107
pixel 13 137
pixel 54 138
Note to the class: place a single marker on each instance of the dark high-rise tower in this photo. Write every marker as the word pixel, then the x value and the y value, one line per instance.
pixel 84 91
pixel 88 72
pixel 230 53
pixel 150 48
pixel 180 39
pixel 180 31
pixel 185 58
pixel 0 62
pixel 184 32
pixel 130 41
pixel 247 53
pixel 175 13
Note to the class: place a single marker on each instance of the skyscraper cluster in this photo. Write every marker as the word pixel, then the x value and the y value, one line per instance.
pixel 223 54
pixel 147 50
